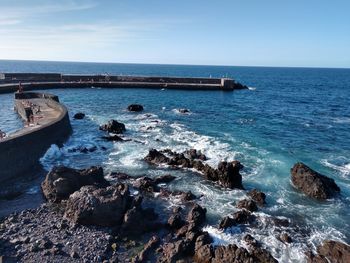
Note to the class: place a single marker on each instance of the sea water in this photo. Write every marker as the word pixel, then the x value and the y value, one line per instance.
pixel 287 115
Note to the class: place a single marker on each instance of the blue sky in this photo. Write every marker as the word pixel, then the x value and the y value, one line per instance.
pixel 314 33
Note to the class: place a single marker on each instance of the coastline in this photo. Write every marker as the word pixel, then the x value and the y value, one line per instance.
pixel 193 113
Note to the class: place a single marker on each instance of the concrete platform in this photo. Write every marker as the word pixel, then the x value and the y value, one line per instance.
pixel 20 151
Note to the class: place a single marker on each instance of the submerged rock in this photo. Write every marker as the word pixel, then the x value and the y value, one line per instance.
pixel 135 107
pixel 113 126
pixel 167 178
pixel 237 218
pixel 312 183
pixel 258 196
pixel 284 237
pixel 62 181
pixel 247 204
pixel 79 116
pixel 183 111
pixel 114 138
pixel 99 206
pixel 156 157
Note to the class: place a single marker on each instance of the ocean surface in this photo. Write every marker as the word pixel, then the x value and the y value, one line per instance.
pixel 287 115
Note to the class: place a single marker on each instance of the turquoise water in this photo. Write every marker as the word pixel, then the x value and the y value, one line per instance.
pixel 288 115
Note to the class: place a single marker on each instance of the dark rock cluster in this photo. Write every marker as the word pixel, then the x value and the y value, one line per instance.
pixel 227 173
pixel 113 126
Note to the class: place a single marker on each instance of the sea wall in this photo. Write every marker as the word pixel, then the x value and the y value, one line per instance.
pixel 20 153
pixel 10 82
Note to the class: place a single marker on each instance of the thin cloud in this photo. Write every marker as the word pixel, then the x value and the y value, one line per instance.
pixel 19 13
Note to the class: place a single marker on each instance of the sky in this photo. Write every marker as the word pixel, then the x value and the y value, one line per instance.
pixel 295 33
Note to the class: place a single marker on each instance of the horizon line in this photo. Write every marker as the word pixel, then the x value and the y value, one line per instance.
pixel 174 64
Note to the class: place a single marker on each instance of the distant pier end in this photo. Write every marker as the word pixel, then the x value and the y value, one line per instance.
pixel 30 81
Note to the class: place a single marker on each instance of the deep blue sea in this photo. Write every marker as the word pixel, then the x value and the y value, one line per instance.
pixel 287 115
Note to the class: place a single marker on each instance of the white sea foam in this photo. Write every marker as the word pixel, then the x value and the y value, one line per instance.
pixel 344 120
pixel 251 88
pixel 51 155
pixel 215 150
pixel 343 169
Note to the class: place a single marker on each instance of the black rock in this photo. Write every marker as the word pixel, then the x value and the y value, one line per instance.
pixel 79 116
pixel 135 107
pixel 113 126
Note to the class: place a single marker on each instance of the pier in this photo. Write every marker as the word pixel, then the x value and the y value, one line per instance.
pixel 20 151
pixel 30 81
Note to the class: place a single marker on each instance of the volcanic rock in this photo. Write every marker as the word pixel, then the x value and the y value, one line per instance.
pixel 243 217
pixel 175 221
pixel 247 204
pixel 229 175
pixel 239 217
pixel 147 250
pixel 196 215
pixel 135 107
pixel 114 138
pixel 312 183
pixel 62 181
pixel 79 116
pixel 138 221
pixel 331 251
pixel 167 178
pixel 258 196
pixel 285 238
pixel 194 154
pixel 146 184
pixel 227 222
pixel 156 157
pixel 113 126
pixel 98 206
pixel 184 111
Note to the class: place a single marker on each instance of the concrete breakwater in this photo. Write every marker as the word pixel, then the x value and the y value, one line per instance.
pixel 20 151
pixel 30 81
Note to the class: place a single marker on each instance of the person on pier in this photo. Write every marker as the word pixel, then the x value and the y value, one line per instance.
pixel 2 135
pixel 20 88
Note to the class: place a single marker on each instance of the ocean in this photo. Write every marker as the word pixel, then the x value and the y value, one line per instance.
pixel 287 115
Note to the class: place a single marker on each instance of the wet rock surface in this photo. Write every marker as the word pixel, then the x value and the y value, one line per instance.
pixel 113 138
pixel 312 183
pixel 227 174
pixel 135 107
pixel 183 111
pixel 330 251
pixel 250 205
pixel 79 116
pixel 257 196
pixel 113 126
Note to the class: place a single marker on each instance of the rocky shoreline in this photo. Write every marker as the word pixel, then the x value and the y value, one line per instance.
pixel 88 219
